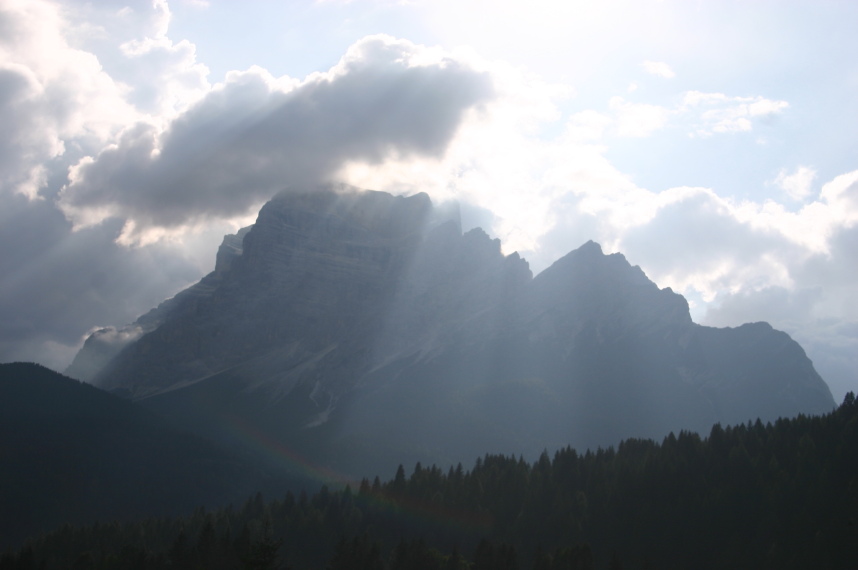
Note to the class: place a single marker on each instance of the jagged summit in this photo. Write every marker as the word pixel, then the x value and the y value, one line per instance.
pixel 367 330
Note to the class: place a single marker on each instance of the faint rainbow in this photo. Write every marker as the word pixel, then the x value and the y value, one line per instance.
pixel 408 506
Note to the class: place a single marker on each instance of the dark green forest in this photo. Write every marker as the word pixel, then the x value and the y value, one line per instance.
pixel 781 495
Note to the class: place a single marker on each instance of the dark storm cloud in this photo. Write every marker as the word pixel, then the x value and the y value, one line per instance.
pixel 249 139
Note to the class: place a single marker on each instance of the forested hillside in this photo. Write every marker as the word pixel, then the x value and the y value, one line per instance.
pixel 782 495
pixel 70 452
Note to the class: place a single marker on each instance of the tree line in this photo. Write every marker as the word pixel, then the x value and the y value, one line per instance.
pixel 776 495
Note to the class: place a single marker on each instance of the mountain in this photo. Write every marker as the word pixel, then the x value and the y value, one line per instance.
pixel 71 453
pixel 361 330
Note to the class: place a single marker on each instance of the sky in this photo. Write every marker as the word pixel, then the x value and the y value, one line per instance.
pixel 713 143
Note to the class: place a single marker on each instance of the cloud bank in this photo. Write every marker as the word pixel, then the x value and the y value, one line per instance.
pixel 255 134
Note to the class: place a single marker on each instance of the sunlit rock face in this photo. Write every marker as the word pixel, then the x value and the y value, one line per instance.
pixel 362 330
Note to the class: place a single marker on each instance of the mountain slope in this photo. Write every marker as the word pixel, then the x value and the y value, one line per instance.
pixel 364 330
pixel 70 452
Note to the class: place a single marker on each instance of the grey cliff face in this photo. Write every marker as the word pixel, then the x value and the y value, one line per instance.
pixel 309 282
pixel 367 330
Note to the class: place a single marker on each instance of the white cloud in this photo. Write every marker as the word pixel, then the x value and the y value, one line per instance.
pixel 55 100
pixel 637 119
pixel 71 80
pixel 255 135
pixel 797 185
pixel 695 242
pixel 703 114
pixel 841 194
pixel 766 235
pixel 163 77
pixel 587 126
pixel 724 114
pixel 658 68
pixel 813 226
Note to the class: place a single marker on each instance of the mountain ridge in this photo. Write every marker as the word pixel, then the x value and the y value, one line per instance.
pixel 362 326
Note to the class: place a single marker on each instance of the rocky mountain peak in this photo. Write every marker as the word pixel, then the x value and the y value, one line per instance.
pixel 230 249
pixel 372 321
pixel 587 286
